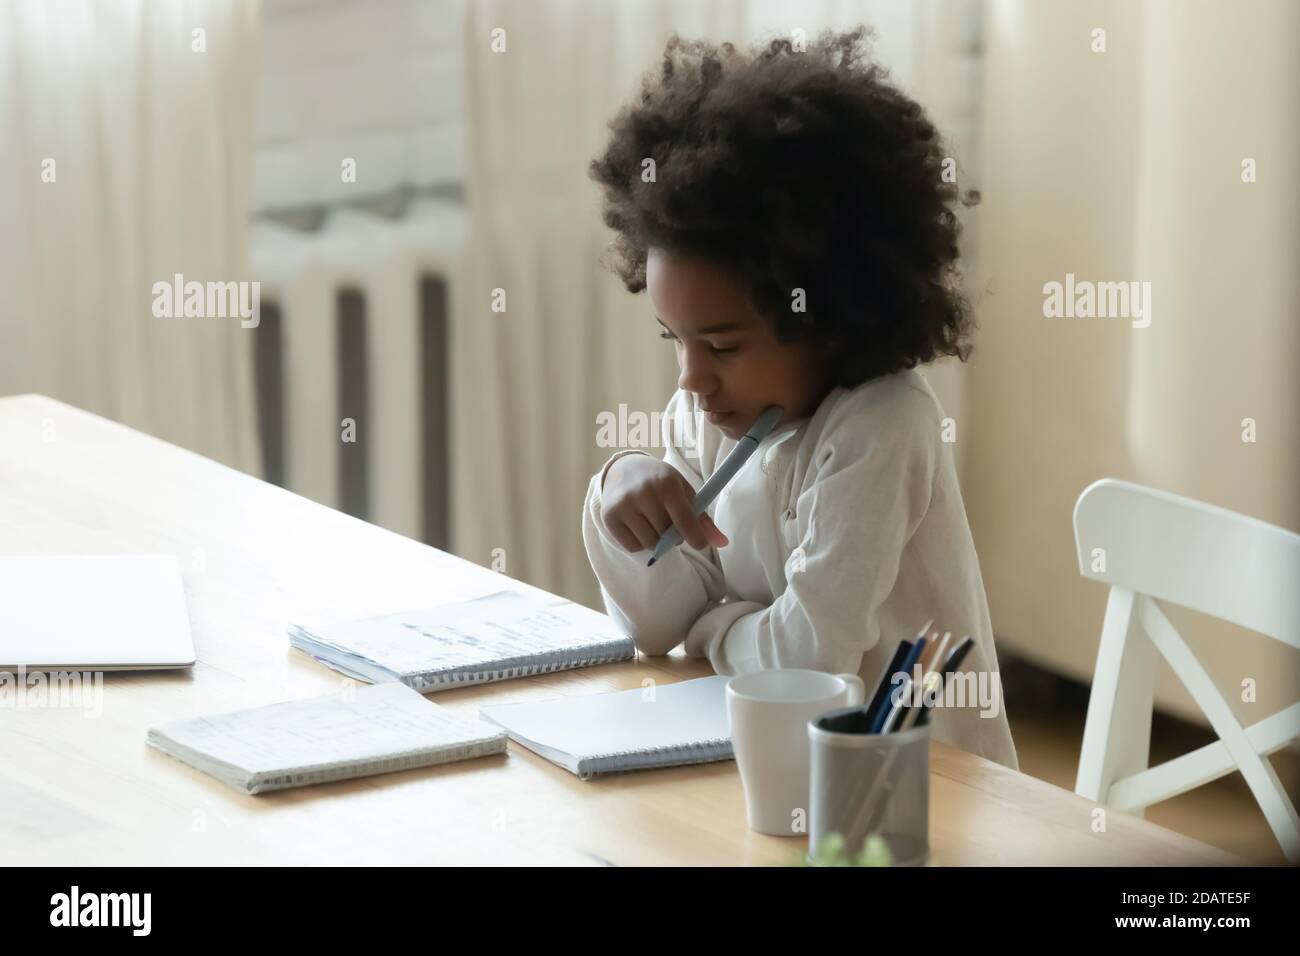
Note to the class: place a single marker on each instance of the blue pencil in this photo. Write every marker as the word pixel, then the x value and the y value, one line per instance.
pixel 906 668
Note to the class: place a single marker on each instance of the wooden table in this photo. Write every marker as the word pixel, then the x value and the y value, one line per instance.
pixel 79 789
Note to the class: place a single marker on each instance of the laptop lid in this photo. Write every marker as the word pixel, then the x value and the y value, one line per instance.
pixel 93 612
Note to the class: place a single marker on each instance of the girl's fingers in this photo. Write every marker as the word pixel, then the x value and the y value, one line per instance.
pixel 625 538
pixel 646 536
pixel 691 526
pixel 716 537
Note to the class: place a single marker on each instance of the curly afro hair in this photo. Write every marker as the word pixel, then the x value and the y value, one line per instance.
pixel 796 170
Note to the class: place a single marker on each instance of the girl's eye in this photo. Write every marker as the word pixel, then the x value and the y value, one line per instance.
pixel 712 348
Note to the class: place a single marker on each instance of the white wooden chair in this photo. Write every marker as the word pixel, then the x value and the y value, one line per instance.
pixel 1153 546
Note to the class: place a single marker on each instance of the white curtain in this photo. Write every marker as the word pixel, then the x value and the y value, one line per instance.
pixel 529 382
pixel 125 160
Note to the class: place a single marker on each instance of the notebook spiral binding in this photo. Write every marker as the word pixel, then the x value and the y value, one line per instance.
pixel 423 682
pixel 704 751
pixel 329 773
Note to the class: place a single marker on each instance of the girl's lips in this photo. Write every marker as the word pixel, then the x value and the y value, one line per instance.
pixel 716 417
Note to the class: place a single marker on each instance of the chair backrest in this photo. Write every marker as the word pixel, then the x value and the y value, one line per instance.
pixel 1177 549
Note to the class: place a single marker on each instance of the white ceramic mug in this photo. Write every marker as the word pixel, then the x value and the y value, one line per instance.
pixel 769 712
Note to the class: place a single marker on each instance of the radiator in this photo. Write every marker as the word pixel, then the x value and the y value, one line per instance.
pixel 351 357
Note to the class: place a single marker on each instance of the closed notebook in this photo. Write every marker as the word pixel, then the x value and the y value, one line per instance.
pixel 362 731
pixel 492 638
pixel 660 726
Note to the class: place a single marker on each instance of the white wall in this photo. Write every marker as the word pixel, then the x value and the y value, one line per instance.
pixel 1120 166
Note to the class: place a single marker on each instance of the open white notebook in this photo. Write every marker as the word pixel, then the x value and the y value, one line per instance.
pixel 366 730
pixel 637 729
pixel 496 637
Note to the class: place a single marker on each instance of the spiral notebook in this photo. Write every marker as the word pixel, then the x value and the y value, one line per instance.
pixel 362 731
pixel 659 726
pixel 492 638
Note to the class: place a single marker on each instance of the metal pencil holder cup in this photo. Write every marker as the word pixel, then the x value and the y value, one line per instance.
pixel 865 785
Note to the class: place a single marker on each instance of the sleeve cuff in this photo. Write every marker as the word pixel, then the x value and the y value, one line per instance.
pixel 727 634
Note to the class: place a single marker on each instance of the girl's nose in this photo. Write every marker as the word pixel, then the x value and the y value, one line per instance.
pixel 696 377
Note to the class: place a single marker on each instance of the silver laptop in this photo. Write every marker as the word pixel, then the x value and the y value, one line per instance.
pixel 93 612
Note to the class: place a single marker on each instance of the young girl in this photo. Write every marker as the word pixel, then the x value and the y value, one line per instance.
pixel 798 244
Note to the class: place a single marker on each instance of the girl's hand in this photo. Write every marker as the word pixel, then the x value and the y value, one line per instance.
pixel 642 496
